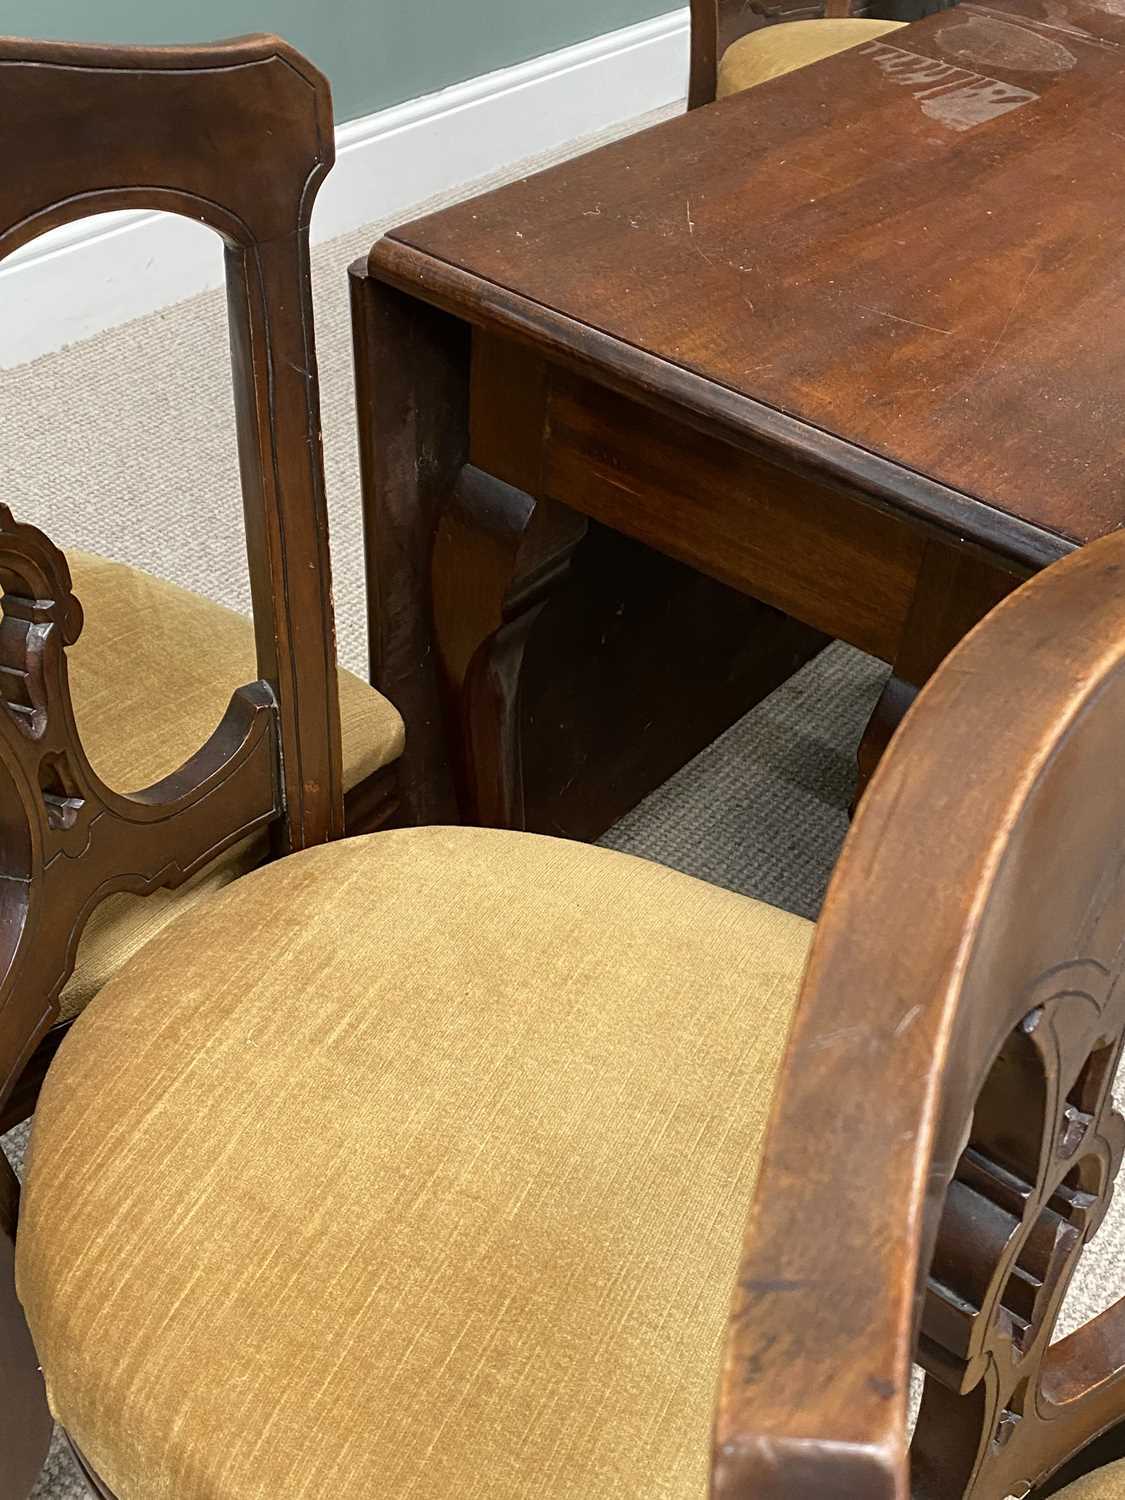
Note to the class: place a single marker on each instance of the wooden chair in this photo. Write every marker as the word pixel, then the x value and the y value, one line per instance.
pixel 737 44
pixel 239 137
pixel 417 1163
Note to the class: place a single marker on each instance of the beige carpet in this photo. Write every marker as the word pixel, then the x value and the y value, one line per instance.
pixel 125 445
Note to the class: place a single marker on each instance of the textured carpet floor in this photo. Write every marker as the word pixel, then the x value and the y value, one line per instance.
pixel 125 445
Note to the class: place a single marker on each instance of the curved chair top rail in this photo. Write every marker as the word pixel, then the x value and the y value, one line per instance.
pixel 237 135
pixel 943 1140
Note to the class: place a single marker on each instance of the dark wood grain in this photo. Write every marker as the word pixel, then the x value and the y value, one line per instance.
pixel 763 344
pixel 412 413
pixel 497 553
pixel 845 569
pixel 632 664
pixel 470 577
pixel 953 304
pixel 615 445
pixel 953 590
pixel 673 392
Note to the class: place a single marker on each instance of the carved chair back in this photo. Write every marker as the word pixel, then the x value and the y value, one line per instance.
pixel 946 1101
pixel 239 136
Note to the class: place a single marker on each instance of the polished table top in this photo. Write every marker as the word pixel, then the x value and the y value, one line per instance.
pixel 915 249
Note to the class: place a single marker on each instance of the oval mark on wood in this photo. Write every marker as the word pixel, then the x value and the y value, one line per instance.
pixel 1001 44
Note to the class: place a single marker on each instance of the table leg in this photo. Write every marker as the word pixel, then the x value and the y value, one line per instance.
pixel 956 588
pixel 412 395
pixel 608 676
pixel 498 554
pixel 458 563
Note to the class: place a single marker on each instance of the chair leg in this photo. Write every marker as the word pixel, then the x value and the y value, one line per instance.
pixel 25 1422
pixel 374 803
pixel 498 553
pixel 20 1103
pixel 97 1487
pixel 954 591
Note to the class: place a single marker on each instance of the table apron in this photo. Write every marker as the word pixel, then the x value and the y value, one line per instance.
pixel 677 393
pixel 810 549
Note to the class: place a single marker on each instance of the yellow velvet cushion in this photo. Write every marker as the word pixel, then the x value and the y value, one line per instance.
pixel 414 1165
pixel 153 670
pixel 1102 1484
pixel 151 677
pixel 773 50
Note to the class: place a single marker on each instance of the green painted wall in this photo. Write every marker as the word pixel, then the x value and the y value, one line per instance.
pixel 376 52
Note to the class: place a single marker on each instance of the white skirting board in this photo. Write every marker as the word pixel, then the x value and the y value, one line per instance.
pixel 94 274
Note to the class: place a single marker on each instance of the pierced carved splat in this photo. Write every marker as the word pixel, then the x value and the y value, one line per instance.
pixel 66 840
pixel 1029 1192
pixel 943 1142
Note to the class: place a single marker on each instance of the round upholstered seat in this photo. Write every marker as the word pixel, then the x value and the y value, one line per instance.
pixel 152 673
pixel 151 676
pixel 774 50
pixel 1102 1484
pixel 414 1165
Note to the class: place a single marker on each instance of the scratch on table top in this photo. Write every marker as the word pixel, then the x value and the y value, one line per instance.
pixel 908 1020
pixel 843 1034
pixel 1037 23
pixel 979 371
pixel 913 322
pixel 687 214
pixel 619 484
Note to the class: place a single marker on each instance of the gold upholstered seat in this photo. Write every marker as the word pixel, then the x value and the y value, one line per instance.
pixel 151 677
pixel 451 1135
pixel 774 50
pixel 1103 1484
